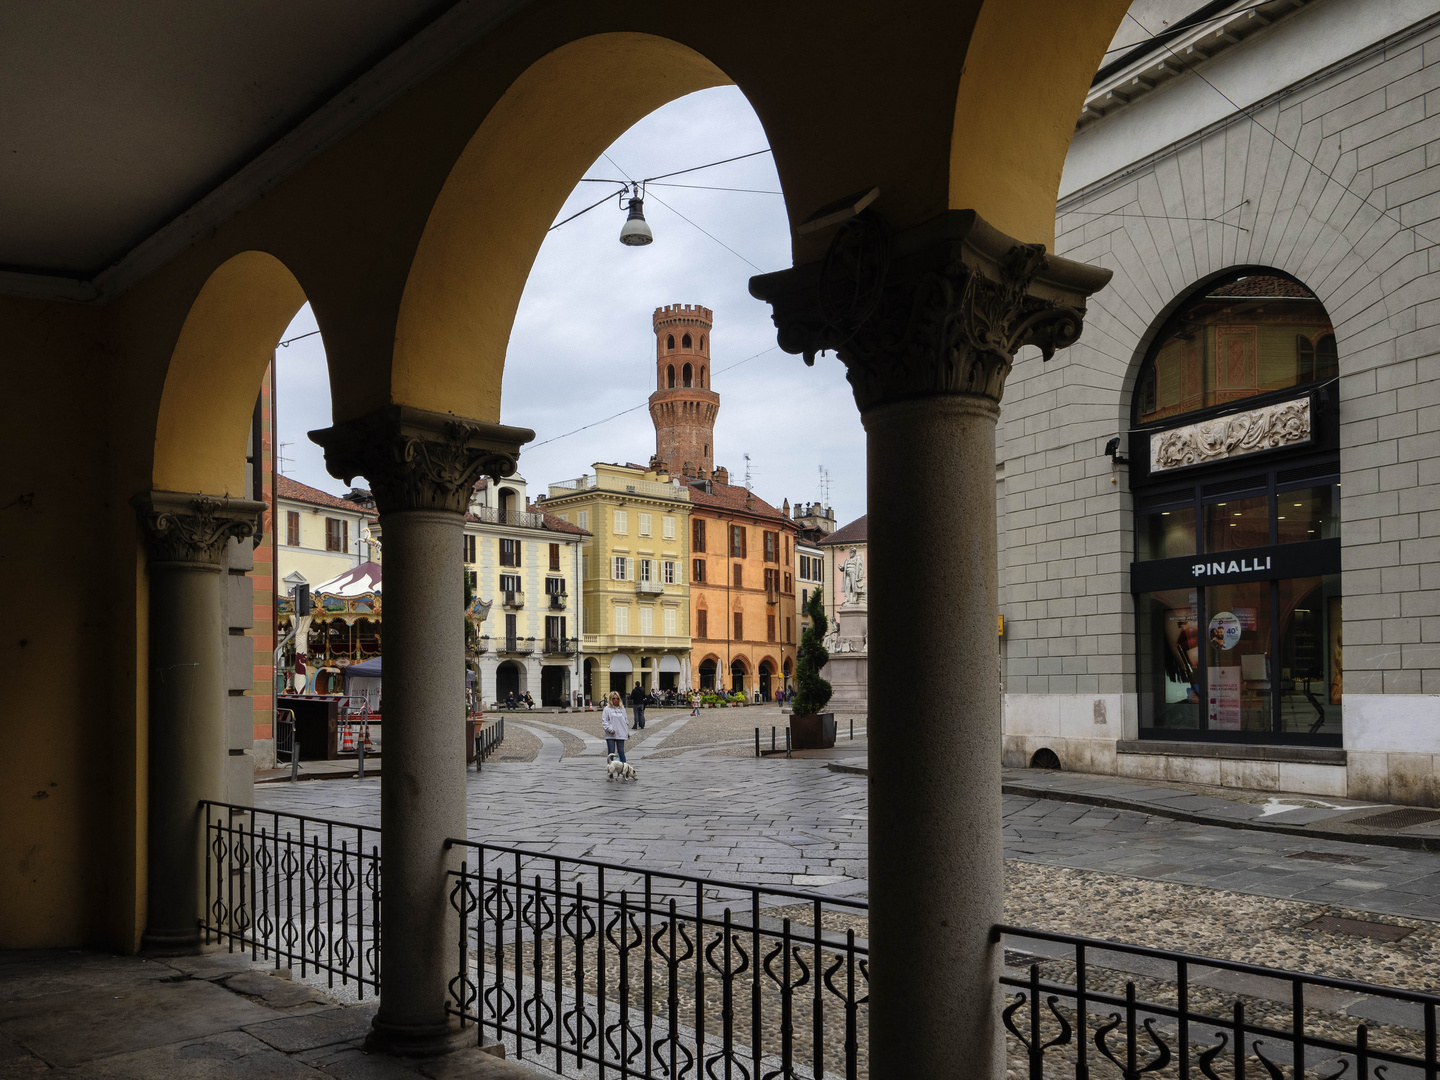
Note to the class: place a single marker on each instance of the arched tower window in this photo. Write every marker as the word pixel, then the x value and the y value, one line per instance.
pixel 670 377
pixel 686 374
pixel 702 376
pixel 670 343
pixel 685 342
pixel 702 342
pixel 1234 466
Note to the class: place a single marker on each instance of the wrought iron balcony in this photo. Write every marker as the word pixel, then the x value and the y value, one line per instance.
pixel 589 482
pixel 515 646
pixel 649 588
pixel 513 598
pixel 522 518
pixel 561 646
pixel 557 601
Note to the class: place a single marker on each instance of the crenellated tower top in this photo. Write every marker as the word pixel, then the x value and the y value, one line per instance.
pixel 683 406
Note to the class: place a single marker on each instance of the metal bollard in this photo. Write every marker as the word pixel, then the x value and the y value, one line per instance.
pixel 787 742
pixel 852 729
pixel 360 755
pixel 294 758
pixel 757 742
pixel 772 738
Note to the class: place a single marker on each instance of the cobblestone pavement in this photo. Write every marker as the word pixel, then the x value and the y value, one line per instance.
pixel 795 822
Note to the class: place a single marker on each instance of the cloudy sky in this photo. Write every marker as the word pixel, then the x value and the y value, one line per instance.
pixel 582 348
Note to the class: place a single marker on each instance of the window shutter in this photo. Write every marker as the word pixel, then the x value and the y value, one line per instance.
pixel 744 540
pixel 629 569
pixel 739 626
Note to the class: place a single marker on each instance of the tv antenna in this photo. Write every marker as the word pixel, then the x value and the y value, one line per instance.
pixel 824 486
pixel 748 485
pixel 281 460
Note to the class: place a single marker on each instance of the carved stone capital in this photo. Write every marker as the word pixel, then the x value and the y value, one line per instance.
pixel 418 460
pixel 938 309
pixel 184 527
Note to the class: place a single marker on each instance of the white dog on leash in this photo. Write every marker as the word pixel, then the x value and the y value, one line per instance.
pixel 615 769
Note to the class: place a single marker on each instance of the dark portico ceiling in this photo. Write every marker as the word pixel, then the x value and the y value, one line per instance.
pixel 119 117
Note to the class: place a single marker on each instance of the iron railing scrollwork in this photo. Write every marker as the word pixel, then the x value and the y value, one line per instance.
pixel 300 891
pixel 588 966
pixel 1189 1028
pixel 594 968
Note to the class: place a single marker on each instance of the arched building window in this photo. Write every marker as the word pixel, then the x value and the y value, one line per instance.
pixel 702 376
pixel 670 377
pixel 685 373
pixel 1235 471
pixel 702 342
pixel 670 343
pixel 685 342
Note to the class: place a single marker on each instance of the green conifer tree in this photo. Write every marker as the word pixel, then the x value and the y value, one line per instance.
pixel 812 693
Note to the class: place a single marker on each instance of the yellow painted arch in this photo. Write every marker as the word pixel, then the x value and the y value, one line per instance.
pixel 215 371
pixel 1026 71
pixel 504 191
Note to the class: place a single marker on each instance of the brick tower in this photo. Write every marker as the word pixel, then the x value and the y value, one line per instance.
pixel 683 406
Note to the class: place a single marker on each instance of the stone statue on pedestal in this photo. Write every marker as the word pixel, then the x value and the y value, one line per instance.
pixel 852 578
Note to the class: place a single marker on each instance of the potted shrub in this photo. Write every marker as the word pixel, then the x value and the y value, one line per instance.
pixel 811 728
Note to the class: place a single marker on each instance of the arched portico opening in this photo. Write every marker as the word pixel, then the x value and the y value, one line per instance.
pixel 738 671
pixel 510 680
pixel 707 674
pixel 766 673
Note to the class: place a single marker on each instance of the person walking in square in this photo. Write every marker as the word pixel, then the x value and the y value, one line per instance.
pixel 616 726
pixel 637 702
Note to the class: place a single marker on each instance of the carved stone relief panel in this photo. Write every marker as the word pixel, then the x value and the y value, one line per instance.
pixel 1225 437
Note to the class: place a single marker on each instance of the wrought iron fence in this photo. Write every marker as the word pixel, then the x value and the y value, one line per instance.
pixel 301 891
pixel 487 738
pixel 592 967
pixel 1079 1012
pixel 588 967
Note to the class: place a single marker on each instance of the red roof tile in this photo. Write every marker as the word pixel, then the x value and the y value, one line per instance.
pixel 1261 285
pixel 854 533
pixel 732 497
pixel 286 488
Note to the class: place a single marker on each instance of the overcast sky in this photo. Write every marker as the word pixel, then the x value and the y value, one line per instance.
pixel 582 348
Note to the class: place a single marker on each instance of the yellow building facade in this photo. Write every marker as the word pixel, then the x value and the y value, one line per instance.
pixel 636 617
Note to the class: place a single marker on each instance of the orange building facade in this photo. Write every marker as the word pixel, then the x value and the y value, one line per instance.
pixel 742 549
pixel 742 590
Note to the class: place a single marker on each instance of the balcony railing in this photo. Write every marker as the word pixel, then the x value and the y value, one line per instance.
pixel 495 516
pixel 580 964
pixel 588 482
pixel 512 598
pixel 557 601
pixel 649 588
pixel 515 646
pixel 559 646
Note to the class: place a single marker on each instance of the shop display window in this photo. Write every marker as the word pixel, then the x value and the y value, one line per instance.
pixel 1308 514
pixel 1236 524
pixel 1166 534
pixel 1170 685
pixel 1238 687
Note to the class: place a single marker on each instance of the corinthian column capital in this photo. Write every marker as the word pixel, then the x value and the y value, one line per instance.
pixel 184 527
pixel 418 460
pixel 938 309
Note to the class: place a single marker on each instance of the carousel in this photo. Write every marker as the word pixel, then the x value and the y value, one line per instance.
pixel 342 628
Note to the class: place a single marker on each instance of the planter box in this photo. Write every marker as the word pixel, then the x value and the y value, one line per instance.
pixel 812 731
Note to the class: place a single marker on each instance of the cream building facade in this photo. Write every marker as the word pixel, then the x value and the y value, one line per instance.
pixel 319 536
pixel 523 568
pixel 636 600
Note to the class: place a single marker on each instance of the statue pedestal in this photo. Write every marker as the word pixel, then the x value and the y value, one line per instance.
pixel 849 666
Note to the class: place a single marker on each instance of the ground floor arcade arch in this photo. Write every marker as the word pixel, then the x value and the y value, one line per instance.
pixel 416 288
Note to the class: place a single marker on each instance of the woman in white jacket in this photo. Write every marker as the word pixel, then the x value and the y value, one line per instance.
pixel 616 726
